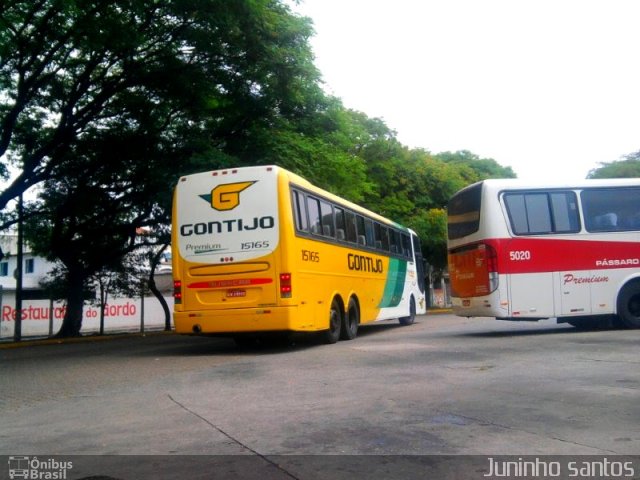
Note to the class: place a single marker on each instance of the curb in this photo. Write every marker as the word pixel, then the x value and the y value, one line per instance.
pixel 88 338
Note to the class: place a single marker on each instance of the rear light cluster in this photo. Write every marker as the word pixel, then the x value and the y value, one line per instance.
pixel 491 258
pixel 285 285
pixel 177 291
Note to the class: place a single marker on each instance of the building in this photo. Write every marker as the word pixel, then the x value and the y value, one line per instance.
pixel 34 268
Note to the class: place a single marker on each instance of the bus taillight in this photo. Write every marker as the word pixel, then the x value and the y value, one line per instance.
pixel 492 266
pixel 177 291
pixel 285 285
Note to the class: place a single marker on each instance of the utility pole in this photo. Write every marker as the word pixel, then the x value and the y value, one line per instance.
pixel 17 333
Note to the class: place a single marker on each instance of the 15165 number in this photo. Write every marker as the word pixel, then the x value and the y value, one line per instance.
pixel 254 245
pixel 309 256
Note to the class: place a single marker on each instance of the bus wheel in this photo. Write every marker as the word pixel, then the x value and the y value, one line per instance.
pixel 351 321
pixel 412 313
pixel 629 305
pixel 332 335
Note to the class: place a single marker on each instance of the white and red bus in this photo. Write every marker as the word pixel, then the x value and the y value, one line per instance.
pixel 525 251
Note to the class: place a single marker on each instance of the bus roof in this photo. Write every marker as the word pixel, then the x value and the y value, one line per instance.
pixel 521 184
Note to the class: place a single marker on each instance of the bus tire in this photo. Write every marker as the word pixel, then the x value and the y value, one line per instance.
pixel 629 305
pixel 412 313
pixel 332 334
pixel 351 321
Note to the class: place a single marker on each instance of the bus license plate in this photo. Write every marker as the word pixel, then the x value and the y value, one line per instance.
pixel 237 292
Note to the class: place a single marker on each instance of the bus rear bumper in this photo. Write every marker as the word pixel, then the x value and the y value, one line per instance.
pixel 240 320
pixel 488 306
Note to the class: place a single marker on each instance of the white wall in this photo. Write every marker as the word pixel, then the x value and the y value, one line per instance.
pixel 123 314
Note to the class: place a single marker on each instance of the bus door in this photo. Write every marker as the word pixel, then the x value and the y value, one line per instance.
pixel 575 293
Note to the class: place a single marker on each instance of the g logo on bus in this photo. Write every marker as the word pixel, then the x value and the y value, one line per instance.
pixel 226 197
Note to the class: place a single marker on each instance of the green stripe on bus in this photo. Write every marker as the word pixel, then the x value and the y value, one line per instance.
pixel 395 283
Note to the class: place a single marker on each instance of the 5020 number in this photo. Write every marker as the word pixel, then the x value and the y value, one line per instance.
pixel 519 255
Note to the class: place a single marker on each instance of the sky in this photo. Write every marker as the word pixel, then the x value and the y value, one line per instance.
pixel 550 88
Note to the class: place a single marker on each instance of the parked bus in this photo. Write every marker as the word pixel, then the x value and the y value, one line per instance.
pixel 260 249
pixel 524 251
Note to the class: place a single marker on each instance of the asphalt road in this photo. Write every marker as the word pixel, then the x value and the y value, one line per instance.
pixel 443 386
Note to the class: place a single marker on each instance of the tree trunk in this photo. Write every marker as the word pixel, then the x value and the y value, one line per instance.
pixel 154 289
pixel 72 322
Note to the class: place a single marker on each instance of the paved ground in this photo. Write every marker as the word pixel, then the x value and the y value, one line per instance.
pixel 444 386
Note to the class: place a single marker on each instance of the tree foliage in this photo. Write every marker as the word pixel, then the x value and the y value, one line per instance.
pixel 474 168
pixel 627 167
pixel 104 105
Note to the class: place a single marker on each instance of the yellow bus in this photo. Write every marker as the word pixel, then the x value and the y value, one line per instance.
pixel 260 249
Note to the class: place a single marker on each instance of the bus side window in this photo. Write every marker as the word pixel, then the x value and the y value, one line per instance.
pixel 362 238
pixel 382 237
pixel 328 227
pixel 300 212
pixel 395 241
pixel 368 232
pixel 313 207
pixel 607 210
pixel 352 232
pixel 377 230
pixel 406 245
pixel 606 221
pixel 565 212
pixel 340 224
pixel 386 243
pixel 529 213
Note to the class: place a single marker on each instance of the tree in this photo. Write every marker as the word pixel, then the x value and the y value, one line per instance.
pixel 431 227
pixel 475 168
pixel 627 167
pixel 317 146
pixel 72 67
pixel 106 104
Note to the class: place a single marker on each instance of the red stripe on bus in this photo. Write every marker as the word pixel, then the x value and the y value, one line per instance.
pixel 531 255
pixel 237 282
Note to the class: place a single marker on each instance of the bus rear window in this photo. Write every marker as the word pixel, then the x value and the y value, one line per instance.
pixel 464 212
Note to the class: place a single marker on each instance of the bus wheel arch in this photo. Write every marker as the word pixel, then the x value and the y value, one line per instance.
pixel 628 304
pixel 412 313
pixel 336 314
pixel 351 319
